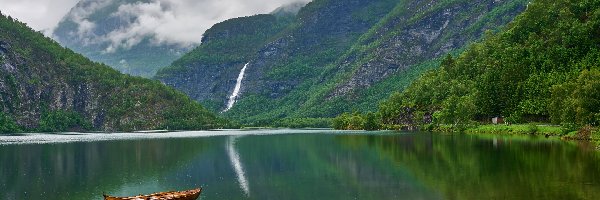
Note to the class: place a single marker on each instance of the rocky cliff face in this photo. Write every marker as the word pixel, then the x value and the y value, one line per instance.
pixel 43 84
pixel 26 91
pixel 209 72
pixel 322 32
pixel 337 56
pixel 317 34
pixel 421 33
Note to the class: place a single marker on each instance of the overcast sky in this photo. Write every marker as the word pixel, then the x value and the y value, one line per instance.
pixel 167 21
pixel 38 14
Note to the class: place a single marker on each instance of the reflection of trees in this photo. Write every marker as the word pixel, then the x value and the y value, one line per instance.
pixel 87 168
pixel 308 167
pixel 469 167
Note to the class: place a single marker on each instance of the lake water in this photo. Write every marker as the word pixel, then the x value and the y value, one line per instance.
pixel 298 164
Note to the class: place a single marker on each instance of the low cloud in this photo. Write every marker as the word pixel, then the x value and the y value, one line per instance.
pixel 82 12
pixel 174 22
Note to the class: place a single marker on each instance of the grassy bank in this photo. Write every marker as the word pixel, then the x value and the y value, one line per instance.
pixel 519 129
pixel 587 133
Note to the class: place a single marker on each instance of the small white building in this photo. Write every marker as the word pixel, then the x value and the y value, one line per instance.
pixel 498 120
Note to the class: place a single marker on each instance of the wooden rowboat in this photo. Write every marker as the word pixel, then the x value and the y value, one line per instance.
pixel 176 195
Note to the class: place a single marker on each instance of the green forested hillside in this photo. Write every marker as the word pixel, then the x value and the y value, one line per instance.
pixel 543 67
pixel 45 87
pixel 408 41
pixel 333 57
pixel 286 72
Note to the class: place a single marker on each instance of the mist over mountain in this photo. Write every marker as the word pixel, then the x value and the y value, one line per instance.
pixel 140 36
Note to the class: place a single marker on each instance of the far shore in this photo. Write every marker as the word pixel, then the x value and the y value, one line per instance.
pixel 68 137
pixel 541 130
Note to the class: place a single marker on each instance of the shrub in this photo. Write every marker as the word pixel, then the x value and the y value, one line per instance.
pixel 532 129
pixel 584 133
pixel 371 122
pixel 566 128
pixel 60 121
pixel 8 125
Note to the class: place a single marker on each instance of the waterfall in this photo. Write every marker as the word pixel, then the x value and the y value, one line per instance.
pixel 234 157
pixel 236 90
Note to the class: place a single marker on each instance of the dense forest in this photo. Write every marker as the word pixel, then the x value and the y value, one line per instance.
pixel 543 67
pixel 45 87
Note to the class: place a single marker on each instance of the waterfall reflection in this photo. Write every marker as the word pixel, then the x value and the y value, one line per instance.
pixel 234 156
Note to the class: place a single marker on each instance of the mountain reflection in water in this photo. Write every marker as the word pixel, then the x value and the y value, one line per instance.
pixel 317 165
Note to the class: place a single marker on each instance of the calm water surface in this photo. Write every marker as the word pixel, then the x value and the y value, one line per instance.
pixel 294 165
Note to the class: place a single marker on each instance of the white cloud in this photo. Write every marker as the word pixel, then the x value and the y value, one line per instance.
pixel 41 15
pixel 179 22
pixel 81 13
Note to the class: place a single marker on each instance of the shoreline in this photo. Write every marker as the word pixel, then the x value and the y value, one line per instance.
pixel 539 130
pixel 70 137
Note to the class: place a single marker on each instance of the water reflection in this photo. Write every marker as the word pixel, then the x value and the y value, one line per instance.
pixel 234 156
pixel 474 167
pixel 305 166
pixel 86 170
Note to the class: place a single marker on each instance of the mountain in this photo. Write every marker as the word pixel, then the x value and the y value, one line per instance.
pixel 543 67
pixel 225 48
pixel 94 28
pixel 45 87
pixel 332 56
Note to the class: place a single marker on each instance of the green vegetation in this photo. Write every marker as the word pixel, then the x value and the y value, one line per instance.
pixel 8 125
pixel 370 45
pixel 577 101
pixel 61 121
pixel 332 57
pixel 83 95
pixel 319 71
pixel 490 166
pixel 518 129
pixel 304 123
pixel 357 121
pixel 544 67
pixel 228 42
pixel 206 72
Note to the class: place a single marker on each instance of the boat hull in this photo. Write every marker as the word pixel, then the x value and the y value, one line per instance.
pixel 175 195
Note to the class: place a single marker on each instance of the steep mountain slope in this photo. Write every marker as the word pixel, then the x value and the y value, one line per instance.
pixel 209 72
pixel 302 47
pixel 544 67
pixel 409 38
pixel 403 45
pixel 45 87
pixel 90 27
pixel 342 55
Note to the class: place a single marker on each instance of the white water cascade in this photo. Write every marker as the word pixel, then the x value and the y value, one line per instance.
pixel 236 90
pixel 234 157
